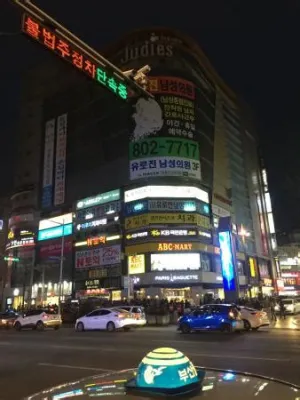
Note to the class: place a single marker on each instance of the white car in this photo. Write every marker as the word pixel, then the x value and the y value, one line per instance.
pixel 38 319
pixel 292 306
pixel 106 318
pixel 138 313
pixel 253 319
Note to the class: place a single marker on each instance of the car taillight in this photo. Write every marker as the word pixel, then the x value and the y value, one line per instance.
pixel 231 315
pixel 45 316
pixel 121 315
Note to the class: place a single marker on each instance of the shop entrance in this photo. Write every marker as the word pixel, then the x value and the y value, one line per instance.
pixel 179 294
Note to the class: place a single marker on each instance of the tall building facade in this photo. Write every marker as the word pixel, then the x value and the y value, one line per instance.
pixel 129 193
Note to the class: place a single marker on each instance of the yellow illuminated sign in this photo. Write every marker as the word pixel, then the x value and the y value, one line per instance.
pixel 162 247
pixel 169 218
pixel 174 246
pixel 136 264
pixel 252 263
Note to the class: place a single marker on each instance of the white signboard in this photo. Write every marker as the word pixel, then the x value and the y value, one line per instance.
pixel 48 163
pixel 165 166
pixel 175 262
pixel 107 255
pixel 53 222
pixel 166 192
pixel 60 164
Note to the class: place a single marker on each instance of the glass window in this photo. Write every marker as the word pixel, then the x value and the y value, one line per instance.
pixel 205 262
pixel 241 269
pixel 217 265
pixel 104 312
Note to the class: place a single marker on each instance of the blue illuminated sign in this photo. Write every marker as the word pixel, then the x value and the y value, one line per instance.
pixel 55 232
pixel 136 207
pixel 227 261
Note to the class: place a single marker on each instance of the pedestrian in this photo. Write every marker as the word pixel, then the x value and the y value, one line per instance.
pixel 282 309
pixel 273 312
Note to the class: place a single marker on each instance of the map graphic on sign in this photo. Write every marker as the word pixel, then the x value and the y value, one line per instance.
pixel 148 118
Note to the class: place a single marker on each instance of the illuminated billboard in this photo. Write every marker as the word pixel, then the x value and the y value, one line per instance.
pixel 53 222
pixel 227 261
pixel 175 262
pixel 102 198
pixel 66 50
pixel 166 191
pixel 58 231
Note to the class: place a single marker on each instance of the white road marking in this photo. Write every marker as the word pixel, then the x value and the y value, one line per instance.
pixel 75 367
pixel 240 357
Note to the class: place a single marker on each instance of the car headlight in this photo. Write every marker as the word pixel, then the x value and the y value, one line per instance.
pixel 4 321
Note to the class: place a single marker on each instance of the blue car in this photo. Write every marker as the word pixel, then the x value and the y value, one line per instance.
pixel 212 317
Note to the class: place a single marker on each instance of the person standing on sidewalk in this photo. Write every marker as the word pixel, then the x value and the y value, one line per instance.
pixel 273 312
pixel 282 309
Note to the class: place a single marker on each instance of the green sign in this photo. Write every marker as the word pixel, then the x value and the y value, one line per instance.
pixel 99 199
pixel 164 147
pixel 13 259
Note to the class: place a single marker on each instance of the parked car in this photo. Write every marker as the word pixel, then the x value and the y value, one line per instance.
pixel 106 318
pixel 138 313
pixel 38 319
pixel 292 306
pixel 222 317
pixel 253 319
pixel 7 319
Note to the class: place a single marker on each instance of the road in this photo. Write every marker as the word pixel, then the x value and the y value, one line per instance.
pixel 31 360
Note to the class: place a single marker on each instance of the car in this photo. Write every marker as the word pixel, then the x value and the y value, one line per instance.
pixel 7 319
pixel 253 319
pixel 292 306
pixel 106 318
pixel 38 319
pixel 219 317
pixel 138 312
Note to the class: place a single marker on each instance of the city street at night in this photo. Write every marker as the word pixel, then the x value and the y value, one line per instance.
pixel 31 360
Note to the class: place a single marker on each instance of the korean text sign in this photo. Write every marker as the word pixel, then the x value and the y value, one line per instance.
pixel 48 163
pixel 108 255
pixel 60 162
pixel 174 218
pixel 68 51
pixel 176 97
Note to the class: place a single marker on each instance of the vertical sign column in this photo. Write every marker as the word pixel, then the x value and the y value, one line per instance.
pixel 48 164
pixel 60 164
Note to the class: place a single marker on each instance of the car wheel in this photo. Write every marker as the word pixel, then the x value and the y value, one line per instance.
pixel 226 328
pixel 40 326
pixel 185 328
pixel 56 328
pixel 247 325
pixel 126 329
pixel 111 327
pixel 80 327
pixel 18 326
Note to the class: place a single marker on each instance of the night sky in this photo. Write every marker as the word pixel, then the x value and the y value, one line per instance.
pixel 254 48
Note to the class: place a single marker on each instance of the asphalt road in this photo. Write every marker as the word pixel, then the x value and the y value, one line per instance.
pixel 31 360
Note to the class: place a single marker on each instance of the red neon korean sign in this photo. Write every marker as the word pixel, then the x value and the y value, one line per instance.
pixel 67 51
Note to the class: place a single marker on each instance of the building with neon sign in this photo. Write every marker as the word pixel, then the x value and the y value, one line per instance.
pixel 168 179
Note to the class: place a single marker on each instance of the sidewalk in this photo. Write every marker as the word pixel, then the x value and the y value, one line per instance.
pixel 290 323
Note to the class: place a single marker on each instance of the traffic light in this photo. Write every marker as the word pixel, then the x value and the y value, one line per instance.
pixel 13 259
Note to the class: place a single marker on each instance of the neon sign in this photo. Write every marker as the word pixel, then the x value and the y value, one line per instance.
pixel 95 241
pixel 174 246
pixel 67 51
pixel 227 261
pixel 52 233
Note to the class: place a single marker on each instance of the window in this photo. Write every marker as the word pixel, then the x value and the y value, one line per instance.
pixel 205 262
pixel 94 313
pixel 104 312
pixel 217 265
